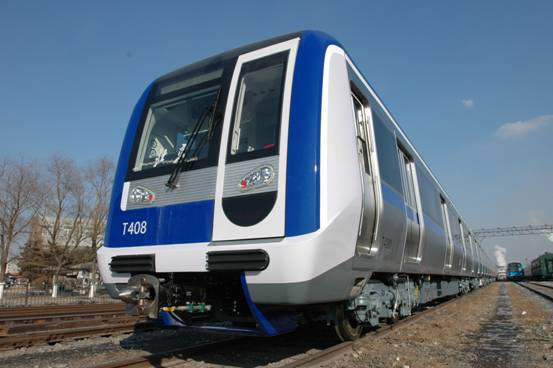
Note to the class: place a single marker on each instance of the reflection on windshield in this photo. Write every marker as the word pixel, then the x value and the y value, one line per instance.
pixel 168 129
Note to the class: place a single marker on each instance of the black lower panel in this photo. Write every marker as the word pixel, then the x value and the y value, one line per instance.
pixel 135 263
pixel 237 260
pixel 248 210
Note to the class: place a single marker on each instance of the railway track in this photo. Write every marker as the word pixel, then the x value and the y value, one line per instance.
pixel 178 358
pixel 43 315
pixel 546 291
pixel 24 327
pixel 53 310
pixel 546 284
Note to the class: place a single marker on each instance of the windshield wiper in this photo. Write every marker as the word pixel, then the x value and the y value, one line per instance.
pixel 182 162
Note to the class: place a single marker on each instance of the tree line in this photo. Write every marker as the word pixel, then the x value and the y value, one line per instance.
pixel 52 214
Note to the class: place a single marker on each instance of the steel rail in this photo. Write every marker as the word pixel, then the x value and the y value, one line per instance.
pixel 6 313
pixel 58 335
pixel 5 322
pixel 547 295
pixel 171 357
pixel 26 328
pixel 23 327
pixel 538 283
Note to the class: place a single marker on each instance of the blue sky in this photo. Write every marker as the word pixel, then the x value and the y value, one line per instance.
pixel 470 82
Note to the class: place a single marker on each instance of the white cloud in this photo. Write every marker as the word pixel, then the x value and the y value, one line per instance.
pixel 468 103
pixel 523 127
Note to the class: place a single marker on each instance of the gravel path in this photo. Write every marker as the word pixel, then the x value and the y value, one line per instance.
pixel 502 325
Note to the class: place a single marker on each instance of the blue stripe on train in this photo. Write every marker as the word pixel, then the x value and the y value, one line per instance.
pixel 304 133
pixel 430 224
pixel 272 323
pixel 397 201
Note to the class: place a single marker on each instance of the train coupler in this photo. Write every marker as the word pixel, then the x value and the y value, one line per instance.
pixel 142 295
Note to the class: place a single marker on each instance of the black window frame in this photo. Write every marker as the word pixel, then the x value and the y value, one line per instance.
pixel 247 67
pixel 405 159
pixel 155 97
pixel 364 101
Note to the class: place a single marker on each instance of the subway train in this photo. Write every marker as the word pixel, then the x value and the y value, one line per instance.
pixel 515 271
pixel 268 187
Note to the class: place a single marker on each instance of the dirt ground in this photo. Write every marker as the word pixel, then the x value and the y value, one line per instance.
pixel 535 320
pixel 501 325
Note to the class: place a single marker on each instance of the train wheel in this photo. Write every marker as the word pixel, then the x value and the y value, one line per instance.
pixel 346 326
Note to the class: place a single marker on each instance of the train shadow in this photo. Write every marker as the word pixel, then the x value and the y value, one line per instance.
pixel 241 352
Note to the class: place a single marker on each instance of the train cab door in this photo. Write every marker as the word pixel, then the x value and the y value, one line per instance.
pixel 251 177
pixel 367 225
pixel 411 251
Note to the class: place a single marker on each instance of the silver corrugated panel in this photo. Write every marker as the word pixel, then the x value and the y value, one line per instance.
pixel 235 171
pixel 196 185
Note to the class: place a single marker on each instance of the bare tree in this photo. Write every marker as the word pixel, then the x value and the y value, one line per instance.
pixel 63 213
pixel 99 179
pixel 19 201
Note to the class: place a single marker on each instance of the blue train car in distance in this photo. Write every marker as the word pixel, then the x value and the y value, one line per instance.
pixel 515 271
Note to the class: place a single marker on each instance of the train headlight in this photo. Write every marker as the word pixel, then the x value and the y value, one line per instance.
pixel 141 195
pixel 263 175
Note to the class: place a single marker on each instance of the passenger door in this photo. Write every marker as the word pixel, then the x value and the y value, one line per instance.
pixel 410 195
pixel 367 225
pixel 251 176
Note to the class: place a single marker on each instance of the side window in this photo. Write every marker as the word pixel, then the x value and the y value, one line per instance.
pixel 472 252
pixel 461 228
pixel 258 108
pixel 449 238
pixel 387 154
pixel 429 196
pixel 407 174
pixel 361 128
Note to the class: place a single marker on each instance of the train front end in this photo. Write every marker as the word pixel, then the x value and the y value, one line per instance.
pixel 214 216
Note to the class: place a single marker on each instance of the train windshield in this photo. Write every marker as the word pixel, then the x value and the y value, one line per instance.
pixel 169 126
pixel 514 267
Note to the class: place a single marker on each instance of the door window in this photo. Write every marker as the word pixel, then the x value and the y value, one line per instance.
pixel 407 174
pixel 472 252
pixel 464 264
pixel 258 107
pixel 407 169
pixel 449 239
pixel 362 134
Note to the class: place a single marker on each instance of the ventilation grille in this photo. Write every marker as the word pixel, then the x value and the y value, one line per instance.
pixel 133 264
pixel 237 260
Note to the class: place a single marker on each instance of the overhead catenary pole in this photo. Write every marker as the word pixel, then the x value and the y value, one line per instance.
pixel 494 232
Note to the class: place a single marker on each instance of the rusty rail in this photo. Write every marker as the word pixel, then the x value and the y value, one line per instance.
pixel 23 327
